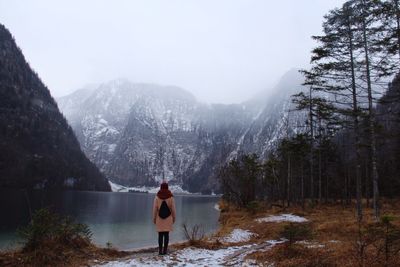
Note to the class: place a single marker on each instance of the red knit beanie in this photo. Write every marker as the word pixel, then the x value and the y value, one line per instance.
pixel 164 185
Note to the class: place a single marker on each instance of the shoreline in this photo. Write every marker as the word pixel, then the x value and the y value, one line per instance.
pixel 258 239
pixel 255 237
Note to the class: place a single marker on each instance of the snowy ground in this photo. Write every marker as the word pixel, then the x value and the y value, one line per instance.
pixel 310 244
pixel 231 256
pixel 282 218
pixel 238 235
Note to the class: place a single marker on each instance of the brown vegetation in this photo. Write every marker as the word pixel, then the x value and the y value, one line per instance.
pixel 335 234
pixel 55 254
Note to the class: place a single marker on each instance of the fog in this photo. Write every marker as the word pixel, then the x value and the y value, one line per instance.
pixel 222 51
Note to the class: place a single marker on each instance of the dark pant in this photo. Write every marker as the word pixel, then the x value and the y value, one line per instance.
pixel 163 239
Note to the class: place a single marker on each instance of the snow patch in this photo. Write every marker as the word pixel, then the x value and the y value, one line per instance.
pixel 310 244
pixel 177 189
pixel 116 187
pixel 103 121
pixel 70 182
pixel 282 218
pixel 238 235
pixel 231 256
pixel 186 257
pixel 111 148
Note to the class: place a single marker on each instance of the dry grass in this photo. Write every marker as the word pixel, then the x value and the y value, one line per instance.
pixel 297 255
pixel 193 234
pixel 333 226
pixel 58 255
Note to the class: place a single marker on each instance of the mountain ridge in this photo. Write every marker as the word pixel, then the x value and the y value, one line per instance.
pixel 138 136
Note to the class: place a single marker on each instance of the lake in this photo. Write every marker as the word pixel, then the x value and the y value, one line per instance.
pixel 124 219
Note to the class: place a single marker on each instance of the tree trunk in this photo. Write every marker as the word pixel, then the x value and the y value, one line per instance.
pixel 345 188
pixel 311 149
pixel 302 185
pixel 288 181
pixel 319 162
pixel 367 181
pixel 348 196
pixel 326 183
pixel 371 120
pixel 319 176
pixel 356 123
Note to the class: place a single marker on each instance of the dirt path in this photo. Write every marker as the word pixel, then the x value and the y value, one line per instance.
pixel 228 256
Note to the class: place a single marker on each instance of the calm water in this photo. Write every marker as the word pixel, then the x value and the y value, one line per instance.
pixel 124 219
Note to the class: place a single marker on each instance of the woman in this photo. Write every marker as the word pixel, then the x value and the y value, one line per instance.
pixel 163 216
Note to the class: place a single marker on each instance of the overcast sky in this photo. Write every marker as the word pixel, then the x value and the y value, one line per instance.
pixel 220 50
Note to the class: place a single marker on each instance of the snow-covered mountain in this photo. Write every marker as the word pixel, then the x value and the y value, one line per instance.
pixel 277 117
pixel 139 134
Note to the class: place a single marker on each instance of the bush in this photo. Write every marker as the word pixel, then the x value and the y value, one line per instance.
pixel 294 232
pixel 253 207
pixel 193 234
pixel 51 238
pixel 391 238
pixel 379 243
pixel 47 226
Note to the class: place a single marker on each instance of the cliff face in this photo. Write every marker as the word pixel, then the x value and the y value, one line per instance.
pixel 38 147
pixel 138 134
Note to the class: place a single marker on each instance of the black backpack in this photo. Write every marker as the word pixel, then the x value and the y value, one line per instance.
pixel 164 211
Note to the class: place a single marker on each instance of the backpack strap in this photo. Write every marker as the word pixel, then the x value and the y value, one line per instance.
pixel 166 201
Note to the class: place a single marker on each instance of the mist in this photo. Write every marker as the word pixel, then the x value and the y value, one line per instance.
pixel 222 51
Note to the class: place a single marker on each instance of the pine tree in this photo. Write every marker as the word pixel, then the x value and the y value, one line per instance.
pixel 367 21
pixel 388 14
pixel 320 111
pixel 334 73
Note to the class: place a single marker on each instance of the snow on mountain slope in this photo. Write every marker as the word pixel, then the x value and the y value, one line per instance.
pixel 139 134
pixel 278 118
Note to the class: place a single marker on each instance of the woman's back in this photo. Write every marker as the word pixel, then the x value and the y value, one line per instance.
pixel 164 225
pixel 166 218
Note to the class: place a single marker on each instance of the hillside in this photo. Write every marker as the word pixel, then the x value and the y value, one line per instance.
pixel 38 147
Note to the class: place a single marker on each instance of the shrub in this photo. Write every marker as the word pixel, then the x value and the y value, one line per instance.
pixel 379 243
pixel 252 207
pixel 47 226
pixel 294 232
pixel 193 234
pixel 109 245
pixel 51 238
pixel 390 237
